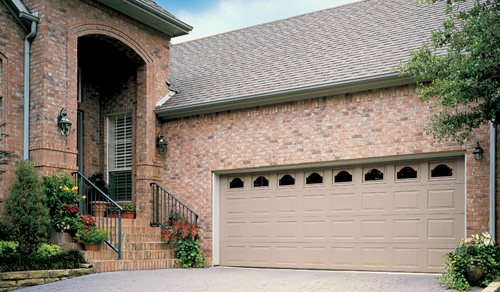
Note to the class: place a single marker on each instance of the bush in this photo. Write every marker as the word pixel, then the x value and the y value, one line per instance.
pixel 66 260
pixel 27 213
pixel 62 200
pixel 8 248
pixel 4 232
pixel 46 250
pixel 91 235
pixel 184 239
pixel 475 252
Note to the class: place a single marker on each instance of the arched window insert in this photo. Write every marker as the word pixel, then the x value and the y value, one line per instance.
pixel 374 175
pixel 287 180
pixel 442 170
pixel 314 178
pixel 406 172
pixel 236 183
pixel 343 176
pixel 261 181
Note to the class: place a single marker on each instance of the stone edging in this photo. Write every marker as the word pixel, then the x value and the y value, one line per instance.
pixel 15 280
pixel 492 287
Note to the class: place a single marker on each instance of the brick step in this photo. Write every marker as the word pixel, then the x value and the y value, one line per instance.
pixel 129 238
pixel 108 254
pixel 125 222
pixel 101 266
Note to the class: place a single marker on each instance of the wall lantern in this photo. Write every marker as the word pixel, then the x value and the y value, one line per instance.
pixel 161 143
pixel 478 152
pixel 63 122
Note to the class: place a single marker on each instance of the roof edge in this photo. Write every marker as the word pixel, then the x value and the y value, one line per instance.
pixel 150 16
pixel 282 96
pixel 22 15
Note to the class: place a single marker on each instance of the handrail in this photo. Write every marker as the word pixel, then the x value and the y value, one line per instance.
pixel 97 203
pixel 166 206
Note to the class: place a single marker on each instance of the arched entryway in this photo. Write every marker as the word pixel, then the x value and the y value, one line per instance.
pixel 109 74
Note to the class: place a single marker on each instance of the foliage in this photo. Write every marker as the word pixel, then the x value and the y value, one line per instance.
pixel 47 250
pixel 91 235
pixel 66 260
pixel 474 251
pixel 8 248
pixel 4 231
pixel 459 69
pixel 62 200
pixel 98 180
pixel 127 207
pixel 184 239
pixel 5 156
pixel 27 213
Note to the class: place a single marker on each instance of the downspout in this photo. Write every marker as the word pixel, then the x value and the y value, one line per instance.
pixel 492 179
pixel 26 114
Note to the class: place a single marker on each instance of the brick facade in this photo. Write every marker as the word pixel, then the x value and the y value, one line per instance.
pixel 378 123
pixel 11 90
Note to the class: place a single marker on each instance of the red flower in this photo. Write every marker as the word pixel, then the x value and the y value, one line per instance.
pixel 87 235
pixel 194 230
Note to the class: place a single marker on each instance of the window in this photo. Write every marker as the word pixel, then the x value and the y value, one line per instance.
pixel 287 180
pixel 441 170
pixel 236 183
pixel 343 176
pixel 314 178
pixel 406 172
pixel 374 175
pixel 261 181
pixel 120 157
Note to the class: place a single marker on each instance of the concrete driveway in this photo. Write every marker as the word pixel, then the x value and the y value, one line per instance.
pixel 243 279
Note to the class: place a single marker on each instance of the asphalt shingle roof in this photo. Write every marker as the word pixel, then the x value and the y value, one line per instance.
pixel 348 42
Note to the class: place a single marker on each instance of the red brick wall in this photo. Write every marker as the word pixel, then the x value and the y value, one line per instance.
pixel 376 123
pixel 11 90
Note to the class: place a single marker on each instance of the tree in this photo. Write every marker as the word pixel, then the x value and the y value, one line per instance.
pixel 459 69
pixel 5 156
pixel 27 214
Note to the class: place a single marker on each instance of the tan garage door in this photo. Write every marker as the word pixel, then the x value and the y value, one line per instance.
pixel 387 217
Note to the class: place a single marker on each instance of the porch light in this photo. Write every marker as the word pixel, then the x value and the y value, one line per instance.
pixel 161 143
pixel 63 122
pixel 478 152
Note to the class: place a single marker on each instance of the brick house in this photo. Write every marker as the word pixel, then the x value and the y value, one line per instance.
pixel 295 141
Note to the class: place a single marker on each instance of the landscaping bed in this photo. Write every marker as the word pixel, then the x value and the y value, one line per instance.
pixel 15 280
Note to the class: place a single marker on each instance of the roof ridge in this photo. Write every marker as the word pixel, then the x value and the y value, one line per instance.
pixel 274 21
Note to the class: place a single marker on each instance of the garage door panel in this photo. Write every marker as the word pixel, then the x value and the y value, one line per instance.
pixel 393 225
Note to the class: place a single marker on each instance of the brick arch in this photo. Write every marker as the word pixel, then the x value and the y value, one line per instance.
pixel 99 29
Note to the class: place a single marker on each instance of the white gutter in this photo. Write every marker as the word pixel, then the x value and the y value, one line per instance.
pixel 492 179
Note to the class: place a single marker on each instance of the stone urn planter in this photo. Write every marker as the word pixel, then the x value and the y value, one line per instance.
pixel 98 208
pixel 474 275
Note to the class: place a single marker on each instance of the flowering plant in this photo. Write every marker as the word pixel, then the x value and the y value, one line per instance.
pixel 476 261
pixel 183 237
pixel 91 235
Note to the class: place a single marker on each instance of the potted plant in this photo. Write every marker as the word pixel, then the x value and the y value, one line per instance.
pixel 128 211
pixel 91 237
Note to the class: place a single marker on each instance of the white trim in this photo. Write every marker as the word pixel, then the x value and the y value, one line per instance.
pixel 215 219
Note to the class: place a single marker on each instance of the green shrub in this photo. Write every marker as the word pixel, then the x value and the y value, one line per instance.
pixel 91 235
pixel 8 248
pixel 27 213
pixel 4 232
pixel 475 251
pixel 66 260
pixel 47 250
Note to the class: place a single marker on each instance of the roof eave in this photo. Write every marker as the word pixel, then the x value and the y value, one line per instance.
pixel 22 15
pixel 150 16
pixel 335 88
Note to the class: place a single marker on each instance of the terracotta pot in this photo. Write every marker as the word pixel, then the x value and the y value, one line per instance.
pixel 128 215
pixel 91 247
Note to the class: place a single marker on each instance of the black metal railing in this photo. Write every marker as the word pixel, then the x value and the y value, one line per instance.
pixel 166 207
pixel 107 212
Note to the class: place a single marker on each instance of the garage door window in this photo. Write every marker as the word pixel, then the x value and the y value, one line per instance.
pixel 236 183
pixel 261 181
pixel 342 176
pixel 374 174
pixel 441 170
pixel 287 180
pixel 406 172
pixel 314 179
